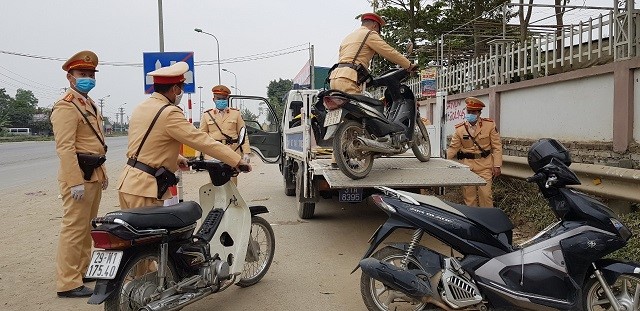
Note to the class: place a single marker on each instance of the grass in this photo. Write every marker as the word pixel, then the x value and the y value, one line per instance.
pixel 17 138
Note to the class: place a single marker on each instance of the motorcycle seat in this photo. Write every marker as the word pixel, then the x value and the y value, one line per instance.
pixel 160 217
pixel 361 98
pixel 493 219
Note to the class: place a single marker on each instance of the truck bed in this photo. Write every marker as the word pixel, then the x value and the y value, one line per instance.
pixel 401 172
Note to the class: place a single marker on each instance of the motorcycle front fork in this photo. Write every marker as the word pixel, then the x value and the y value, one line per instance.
pixel 615 304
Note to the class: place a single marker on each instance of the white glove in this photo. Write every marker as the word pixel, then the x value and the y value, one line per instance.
pixel 77 191
pixel 105 184
pixel 245 157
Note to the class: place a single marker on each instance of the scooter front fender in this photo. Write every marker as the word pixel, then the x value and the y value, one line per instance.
pixel 381 234
pixel 611 269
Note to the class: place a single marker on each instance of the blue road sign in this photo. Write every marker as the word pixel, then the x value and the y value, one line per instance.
pixel 156 60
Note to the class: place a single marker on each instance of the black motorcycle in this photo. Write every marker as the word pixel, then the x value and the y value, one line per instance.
pixel 364 129
pixel 561 268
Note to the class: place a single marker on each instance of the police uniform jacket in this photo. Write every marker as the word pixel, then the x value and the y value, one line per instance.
pixel 486 135
pixel 230 123
pixel 374 44
pixel 163 145
pixel 74 135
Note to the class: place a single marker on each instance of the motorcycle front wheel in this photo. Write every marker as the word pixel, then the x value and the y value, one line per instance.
pixel 421 146
pixel 354 163
pixel 625 289
pixel 262 246
pixel 138 280
pixel 377 296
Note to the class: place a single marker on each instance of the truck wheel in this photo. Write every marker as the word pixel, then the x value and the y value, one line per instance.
pixel 421 145
pixel 354 163
pixel 305 209
pixel 289 182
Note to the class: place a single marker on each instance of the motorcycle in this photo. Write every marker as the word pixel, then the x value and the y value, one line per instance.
pixel 364 129
pixel 561 268
pixel 149 258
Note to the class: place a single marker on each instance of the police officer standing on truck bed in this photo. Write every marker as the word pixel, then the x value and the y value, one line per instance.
pixel 223 124
pixel 77 129
pixel 476 143
pixel 356 52
pixel 156 130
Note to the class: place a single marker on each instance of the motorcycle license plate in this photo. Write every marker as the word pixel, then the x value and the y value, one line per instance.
pixel 333 117
pixel 350 195
pixel 104 265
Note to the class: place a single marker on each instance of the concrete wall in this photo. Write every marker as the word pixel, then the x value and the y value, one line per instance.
pixel 636 112
pixel 580 110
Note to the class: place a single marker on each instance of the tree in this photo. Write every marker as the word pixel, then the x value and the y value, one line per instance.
pixel 41 123
pixel 524 19
pixel 21 109
pixel 5 101
pixel 276 91
pixel 248 115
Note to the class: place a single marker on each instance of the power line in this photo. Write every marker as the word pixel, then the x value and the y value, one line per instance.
pixel 36 82
pixel 239 59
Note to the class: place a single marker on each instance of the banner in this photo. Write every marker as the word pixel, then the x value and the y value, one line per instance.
pixel 428 85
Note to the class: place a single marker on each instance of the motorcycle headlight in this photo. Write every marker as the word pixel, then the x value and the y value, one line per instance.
pixel 382 204
pixel 623 231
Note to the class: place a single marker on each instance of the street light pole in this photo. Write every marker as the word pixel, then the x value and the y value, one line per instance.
pixel 235 78
pixel 218 48
pixel 237 89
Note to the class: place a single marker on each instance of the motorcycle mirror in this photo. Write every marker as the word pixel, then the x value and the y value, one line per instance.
pixel 242 136
pixel 409 47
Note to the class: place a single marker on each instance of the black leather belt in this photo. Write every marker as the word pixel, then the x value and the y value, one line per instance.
pixel 349 65
pixel 141 166
pixel 465 155
pixel 229 142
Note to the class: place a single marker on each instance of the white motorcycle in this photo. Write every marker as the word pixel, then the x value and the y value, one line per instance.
pixel 150 259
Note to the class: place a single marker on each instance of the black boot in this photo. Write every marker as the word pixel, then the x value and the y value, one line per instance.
pixel 78 292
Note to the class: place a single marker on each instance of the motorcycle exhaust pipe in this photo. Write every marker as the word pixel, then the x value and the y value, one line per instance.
pixel 177 302
pixel 405 281
pixel 371 145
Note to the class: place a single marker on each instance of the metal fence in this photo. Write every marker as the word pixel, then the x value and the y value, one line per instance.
pixel 574 46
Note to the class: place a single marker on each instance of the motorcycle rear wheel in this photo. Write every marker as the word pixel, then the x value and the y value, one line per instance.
pixel 257 264
pixel 353 163
pixel 421 146
pixel 140 272
pixel 624 288
pixel 377 296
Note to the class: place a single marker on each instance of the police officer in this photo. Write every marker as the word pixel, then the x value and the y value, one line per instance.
pixel 77 128
pixel 223 123
pixel 357 49
pixel 476 143
pixel 137 185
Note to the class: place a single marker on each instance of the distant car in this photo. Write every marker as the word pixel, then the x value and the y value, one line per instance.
pixel 19 131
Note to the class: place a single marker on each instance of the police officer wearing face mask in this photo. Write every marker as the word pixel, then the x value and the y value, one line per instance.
pixel 77 128
pixel 476 143
pixel 137 185
pixel 223 123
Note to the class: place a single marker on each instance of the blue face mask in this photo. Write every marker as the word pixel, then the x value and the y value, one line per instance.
pixel 471 117
pixel 85 85
pixel 221 104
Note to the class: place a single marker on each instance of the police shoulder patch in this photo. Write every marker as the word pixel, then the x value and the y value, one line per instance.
pixel 487 119
pixel 68 98
pixel 234 108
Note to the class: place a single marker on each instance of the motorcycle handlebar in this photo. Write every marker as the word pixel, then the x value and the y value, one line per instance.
pixel 536 177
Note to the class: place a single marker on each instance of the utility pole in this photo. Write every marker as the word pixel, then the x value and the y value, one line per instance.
pixel 121 113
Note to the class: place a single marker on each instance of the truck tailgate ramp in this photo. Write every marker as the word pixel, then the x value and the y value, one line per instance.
pixel 403 172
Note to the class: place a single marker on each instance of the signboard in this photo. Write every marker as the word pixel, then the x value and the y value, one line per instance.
pixel 156 60
pixel 428 86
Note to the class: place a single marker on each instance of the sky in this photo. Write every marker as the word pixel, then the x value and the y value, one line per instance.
pixel 120 31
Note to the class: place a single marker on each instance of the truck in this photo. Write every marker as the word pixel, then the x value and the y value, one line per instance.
pixel 295 141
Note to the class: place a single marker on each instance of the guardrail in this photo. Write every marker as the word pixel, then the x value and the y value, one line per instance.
pixel 601 180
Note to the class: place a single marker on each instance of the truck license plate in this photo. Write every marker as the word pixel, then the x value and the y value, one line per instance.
pixel 104 265
pixel 333 117
pixel 350 195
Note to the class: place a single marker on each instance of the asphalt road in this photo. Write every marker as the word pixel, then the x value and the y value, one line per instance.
pixel 25 162
pixel 313 258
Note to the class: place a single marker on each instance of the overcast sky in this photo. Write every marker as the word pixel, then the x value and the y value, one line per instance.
pixel 121 30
